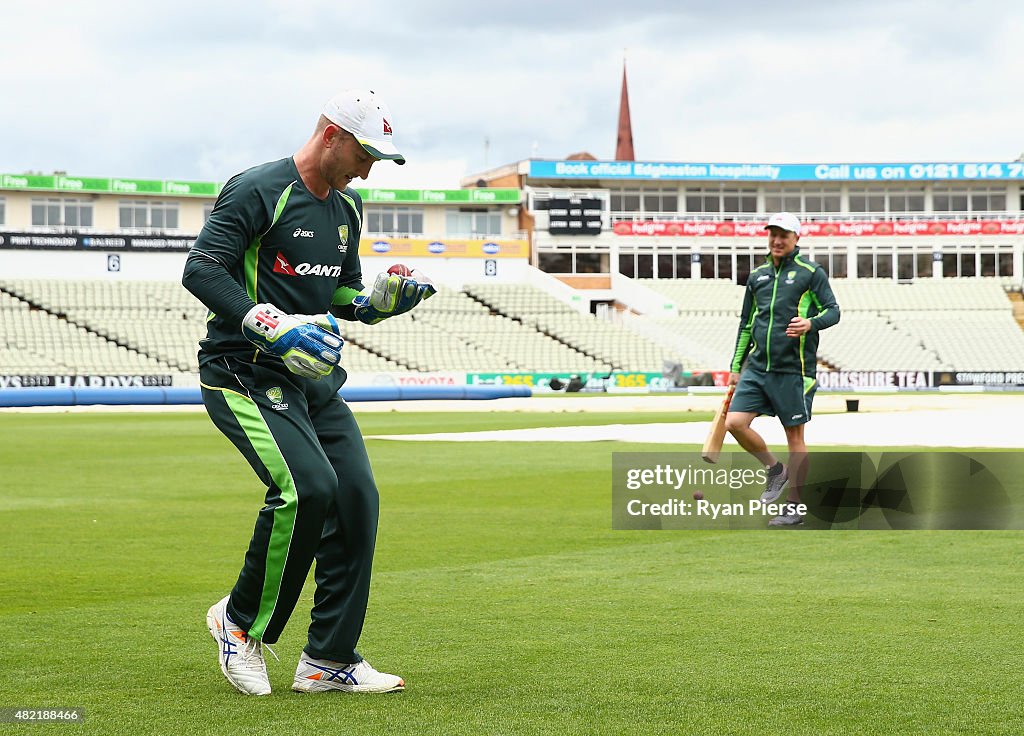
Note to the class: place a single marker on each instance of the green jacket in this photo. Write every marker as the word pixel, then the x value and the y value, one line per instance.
pixel 269 239
pixel 773 297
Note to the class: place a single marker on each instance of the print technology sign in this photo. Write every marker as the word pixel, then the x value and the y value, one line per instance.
pixel 774 172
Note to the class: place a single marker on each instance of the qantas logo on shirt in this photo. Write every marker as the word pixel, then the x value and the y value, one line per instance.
pixel 281 265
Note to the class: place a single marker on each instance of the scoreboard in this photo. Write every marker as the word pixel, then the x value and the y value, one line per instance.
pixel 574 216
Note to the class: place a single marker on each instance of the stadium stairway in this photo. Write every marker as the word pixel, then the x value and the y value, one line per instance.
pixel 522 305
pixel 1017 301
pixel 608 345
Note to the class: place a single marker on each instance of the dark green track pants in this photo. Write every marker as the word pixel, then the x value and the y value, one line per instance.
pixel 321 501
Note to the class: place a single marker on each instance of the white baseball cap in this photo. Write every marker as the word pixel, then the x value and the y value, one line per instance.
pixel 363 114
pixel 785 220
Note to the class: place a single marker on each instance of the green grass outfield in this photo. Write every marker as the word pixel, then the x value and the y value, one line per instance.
pixel 501 594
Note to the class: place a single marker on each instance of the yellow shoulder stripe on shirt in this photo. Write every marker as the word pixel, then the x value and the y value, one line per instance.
pixel 805 264
pixel 355 210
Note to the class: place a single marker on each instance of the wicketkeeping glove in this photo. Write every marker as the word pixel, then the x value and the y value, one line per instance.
pixel 392 294
pixel 309 345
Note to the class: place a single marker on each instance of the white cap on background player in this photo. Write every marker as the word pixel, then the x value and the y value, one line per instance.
pixel 363 114
pixel 785 220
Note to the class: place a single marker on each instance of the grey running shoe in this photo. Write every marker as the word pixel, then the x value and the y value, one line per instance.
pixel 789 518
pixel 775 486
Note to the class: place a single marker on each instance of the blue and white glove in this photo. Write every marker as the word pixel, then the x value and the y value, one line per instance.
pixel 392 294
pixel 308 345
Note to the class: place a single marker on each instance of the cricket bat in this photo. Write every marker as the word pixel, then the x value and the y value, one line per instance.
pixel 716 434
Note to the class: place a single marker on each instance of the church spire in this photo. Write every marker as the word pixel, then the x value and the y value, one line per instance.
pixel 624 141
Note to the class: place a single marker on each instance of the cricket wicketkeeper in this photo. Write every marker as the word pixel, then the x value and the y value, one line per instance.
pixel 277 263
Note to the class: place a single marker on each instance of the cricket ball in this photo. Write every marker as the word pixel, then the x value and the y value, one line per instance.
pixel 400 269
pixel 697 495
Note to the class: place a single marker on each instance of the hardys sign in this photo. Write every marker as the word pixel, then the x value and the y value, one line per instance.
pixel 86 381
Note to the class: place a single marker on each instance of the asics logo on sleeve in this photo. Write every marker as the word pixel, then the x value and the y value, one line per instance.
pixel 300 233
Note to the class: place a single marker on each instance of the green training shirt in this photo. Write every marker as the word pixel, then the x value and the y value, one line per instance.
pixel 269 239
pixel 772 298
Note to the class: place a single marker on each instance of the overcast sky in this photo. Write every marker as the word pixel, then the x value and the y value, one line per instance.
pixel 201 90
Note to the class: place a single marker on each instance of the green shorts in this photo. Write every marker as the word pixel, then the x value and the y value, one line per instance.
pixel 785 395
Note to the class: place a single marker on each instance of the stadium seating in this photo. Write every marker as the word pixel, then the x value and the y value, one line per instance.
pixel 151 327
pixel 701 340
pixel 948 324
pixel 868 341
pixel 953 295
pixel 40 342
pixel 156 319
pixel 701 296
pixel 519 301
pixel 606 344
pixel 984 341
pixel 453 331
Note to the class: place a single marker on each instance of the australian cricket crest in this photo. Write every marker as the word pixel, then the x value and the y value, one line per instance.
pixel 343 238
pixel 790 276
pixel 275 395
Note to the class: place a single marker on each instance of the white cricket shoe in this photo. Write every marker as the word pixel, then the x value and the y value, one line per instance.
pixel 322 675
pixel 241 658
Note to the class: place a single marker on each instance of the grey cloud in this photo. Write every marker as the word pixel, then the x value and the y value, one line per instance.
pixel 204 89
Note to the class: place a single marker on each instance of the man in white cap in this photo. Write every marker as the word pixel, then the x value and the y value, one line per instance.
pixel 277 264
pixel 788 300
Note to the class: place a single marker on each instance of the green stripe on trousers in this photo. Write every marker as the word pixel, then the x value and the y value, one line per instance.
pixel 255 427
